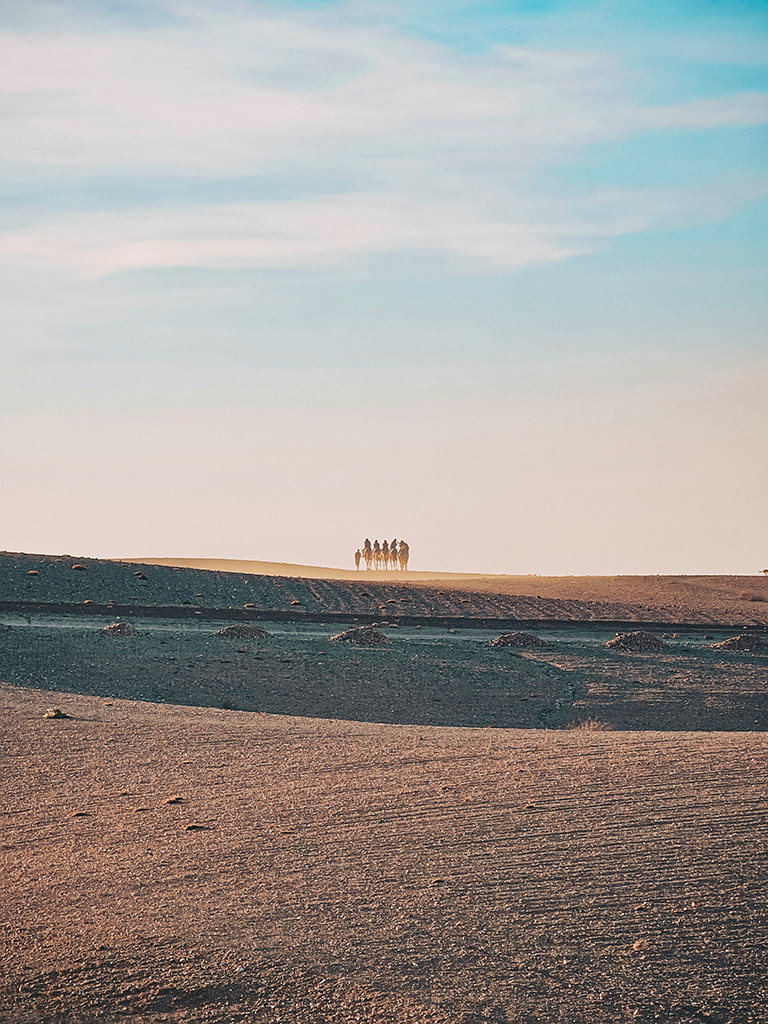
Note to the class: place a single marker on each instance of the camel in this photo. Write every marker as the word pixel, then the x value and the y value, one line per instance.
pixel 385 555
pixel 376 555
pixel 393 554
pixel 367 553
pixel 402 555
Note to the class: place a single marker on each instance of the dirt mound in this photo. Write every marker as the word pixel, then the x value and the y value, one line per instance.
pixel 363 636
pixel 120 629
pixel 241 631
pixel 742 642
pixel 639 640
pixel 522 641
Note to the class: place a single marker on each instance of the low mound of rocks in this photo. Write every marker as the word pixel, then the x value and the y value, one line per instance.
pixel 241 631
pixel 523 641
pixel 742 642
pixel 120 629
pixel 363 636
pixel 639 640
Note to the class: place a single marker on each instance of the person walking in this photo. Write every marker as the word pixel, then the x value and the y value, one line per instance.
pixel 357 558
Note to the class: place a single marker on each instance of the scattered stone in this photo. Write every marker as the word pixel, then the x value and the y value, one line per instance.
pixel 33 572
pixel 519 640
pixel 639 640
pixel 295 602
pixel 56 713
pixel 249 605
pixel 193 826
pixel 174 800
pixel 641 944
pixel 79 567
pixel 81 814
pixel 742 642
pixel 363 636
pixel 242 631
pixel 140 575
pixel 120 629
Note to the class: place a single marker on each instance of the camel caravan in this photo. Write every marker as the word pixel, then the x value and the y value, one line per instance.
pixel 392 556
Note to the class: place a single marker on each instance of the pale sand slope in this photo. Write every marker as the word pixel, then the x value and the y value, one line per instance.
pixel 352 872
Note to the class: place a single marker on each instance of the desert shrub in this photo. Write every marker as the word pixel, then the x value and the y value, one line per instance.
pixel 590 725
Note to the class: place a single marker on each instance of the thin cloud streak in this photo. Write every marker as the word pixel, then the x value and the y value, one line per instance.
pixel 438 151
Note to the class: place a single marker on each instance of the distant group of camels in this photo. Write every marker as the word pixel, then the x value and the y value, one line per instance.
pixel 383 556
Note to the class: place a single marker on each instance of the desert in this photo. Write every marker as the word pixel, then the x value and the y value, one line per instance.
pixel 219 812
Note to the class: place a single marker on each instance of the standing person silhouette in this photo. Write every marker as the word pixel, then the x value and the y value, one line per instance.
pixel 357 559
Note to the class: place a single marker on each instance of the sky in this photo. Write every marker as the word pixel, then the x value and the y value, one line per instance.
pixel 487 276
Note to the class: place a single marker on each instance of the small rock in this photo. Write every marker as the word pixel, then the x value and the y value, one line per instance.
pixel 363 636
pixel 33 572
pixel 519 640
pixel 56 713
pixel 79 567
pixel 742 642
pixel 120 629
pixel 639 640
pixel 242 631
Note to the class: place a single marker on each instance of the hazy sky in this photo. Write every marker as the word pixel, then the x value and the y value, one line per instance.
pixel 487 276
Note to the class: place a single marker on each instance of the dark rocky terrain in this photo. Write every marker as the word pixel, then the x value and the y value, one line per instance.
pixel 284 829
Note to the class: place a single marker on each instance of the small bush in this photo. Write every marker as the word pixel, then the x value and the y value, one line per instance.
pixel 590 725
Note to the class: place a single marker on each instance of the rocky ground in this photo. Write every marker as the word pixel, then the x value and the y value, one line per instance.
pixel 699 599
pixel 420 676
pixel 285 829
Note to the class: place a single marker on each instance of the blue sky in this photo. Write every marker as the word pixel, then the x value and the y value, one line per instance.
pixel 452 240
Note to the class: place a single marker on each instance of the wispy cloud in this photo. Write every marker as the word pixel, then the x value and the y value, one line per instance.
pixel 431 149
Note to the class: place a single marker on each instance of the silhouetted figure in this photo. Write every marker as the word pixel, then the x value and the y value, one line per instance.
pixel 393 554
pixel 367 553
pixel 357 558
pixel 402 555
pixel 376 555
pixel 385 555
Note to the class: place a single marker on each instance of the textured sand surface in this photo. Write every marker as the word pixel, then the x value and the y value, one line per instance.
pixel 350 872
pixel 338 834
pixel 703 599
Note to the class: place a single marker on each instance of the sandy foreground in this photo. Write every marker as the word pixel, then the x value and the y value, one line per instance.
pixel 344 871
pixel 288 830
